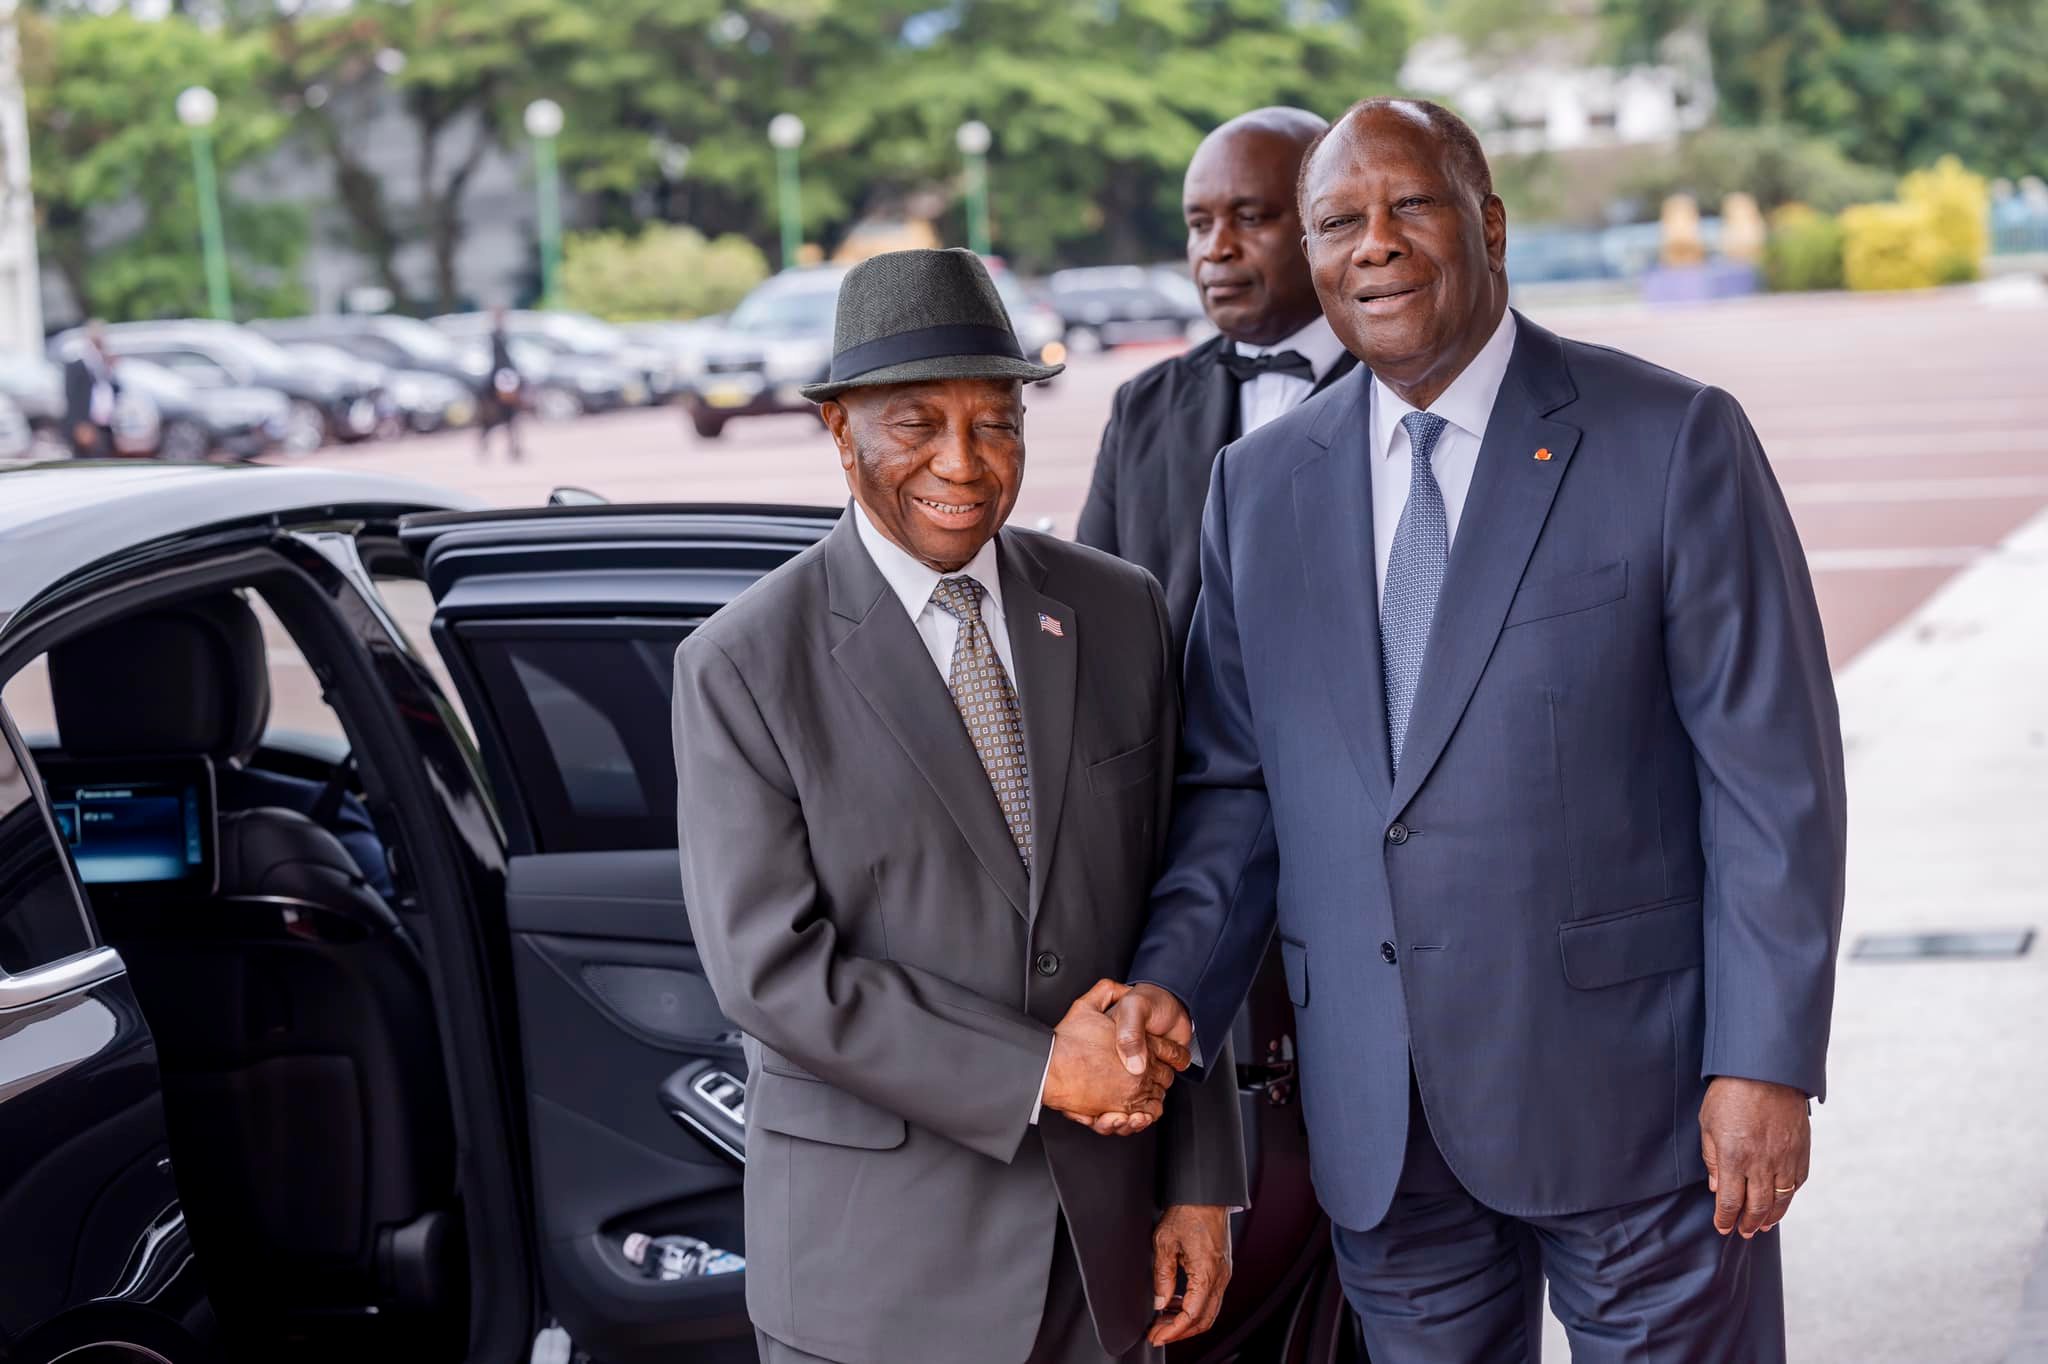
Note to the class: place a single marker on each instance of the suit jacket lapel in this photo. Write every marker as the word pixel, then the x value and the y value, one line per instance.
pixel 1504 512
pixel 1047 669
pixel 883 656
pixel 1333 511
pixel 1345 364
pixel 1207 423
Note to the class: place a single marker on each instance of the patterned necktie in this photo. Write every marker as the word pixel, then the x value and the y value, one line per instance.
pixel 1415 575
pixel 988 707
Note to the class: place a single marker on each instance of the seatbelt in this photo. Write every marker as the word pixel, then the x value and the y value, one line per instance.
pixel 328 806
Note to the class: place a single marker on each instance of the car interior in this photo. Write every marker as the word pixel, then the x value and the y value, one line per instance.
pixel 306 1105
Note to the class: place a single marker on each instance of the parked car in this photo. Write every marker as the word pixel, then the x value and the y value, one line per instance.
pixel 580 335
pixel 777 340
pixel 418 400
pixel 1113 304
pixel 36 386
pixel 187 422
pixel 527 997
pixel 326 406
pixel 17 438
pixel 401 344
pixel 1041 331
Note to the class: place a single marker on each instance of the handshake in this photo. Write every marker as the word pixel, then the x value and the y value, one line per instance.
pixel 1114 1056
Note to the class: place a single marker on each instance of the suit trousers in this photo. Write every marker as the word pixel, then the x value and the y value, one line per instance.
pixel 1443 1279
pixel 1066 1335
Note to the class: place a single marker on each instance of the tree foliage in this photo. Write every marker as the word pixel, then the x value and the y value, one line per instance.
pixel 1895 84
pixel 112 172
pixel 663 272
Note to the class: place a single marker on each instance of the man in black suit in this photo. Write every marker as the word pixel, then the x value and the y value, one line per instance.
pixel 1275 349
pixel 89 394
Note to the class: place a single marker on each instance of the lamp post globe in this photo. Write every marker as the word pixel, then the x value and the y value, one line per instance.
pixel 974 138
pixel 198 107
pixel 543 118
pixel 786 132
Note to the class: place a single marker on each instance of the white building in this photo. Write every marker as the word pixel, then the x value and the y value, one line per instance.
pixel 1552 98
pixel 21 303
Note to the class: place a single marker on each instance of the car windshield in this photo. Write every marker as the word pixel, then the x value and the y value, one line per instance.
pixel 152 380
pixel 251 348
pixel 584 335
pixel 785 312
pixel 419 340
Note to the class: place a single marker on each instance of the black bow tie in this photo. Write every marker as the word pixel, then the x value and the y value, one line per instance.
pixel 1246 367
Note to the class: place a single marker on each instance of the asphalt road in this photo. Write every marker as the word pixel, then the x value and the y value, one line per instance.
pixel 1910 432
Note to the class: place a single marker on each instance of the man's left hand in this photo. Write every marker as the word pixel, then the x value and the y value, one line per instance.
pixel 1757 1140
pixel 1193 1238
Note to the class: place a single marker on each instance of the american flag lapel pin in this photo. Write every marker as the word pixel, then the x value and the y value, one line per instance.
pixel 1051 626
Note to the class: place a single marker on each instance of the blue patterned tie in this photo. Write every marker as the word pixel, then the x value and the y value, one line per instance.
pixel 1415 575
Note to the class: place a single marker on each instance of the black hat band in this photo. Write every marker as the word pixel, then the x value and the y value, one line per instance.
pixel 923 343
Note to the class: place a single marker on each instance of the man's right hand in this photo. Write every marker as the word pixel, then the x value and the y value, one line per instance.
pixel 1090 1080
pixel 1144 1015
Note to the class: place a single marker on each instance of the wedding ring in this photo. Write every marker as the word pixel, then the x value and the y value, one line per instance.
pixel 1793 1189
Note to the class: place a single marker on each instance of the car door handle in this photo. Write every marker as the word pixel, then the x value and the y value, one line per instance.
pixel 63 977
pixel 712 1102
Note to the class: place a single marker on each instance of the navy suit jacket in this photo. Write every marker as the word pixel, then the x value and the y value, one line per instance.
pixel 1612 863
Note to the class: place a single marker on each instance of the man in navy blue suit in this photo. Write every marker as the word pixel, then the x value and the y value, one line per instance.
pixel 1507 704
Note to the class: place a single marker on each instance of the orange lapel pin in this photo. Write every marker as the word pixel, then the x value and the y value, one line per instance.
pixel 1542 456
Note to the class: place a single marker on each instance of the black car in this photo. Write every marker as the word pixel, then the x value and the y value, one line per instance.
pixel 195 423
pixel 398 343
pixel 327 404
pixel 382 1022
pixel 1109 305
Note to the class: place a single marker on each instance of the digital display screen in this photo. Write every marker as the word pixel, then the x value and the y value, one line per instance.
pixel 140 824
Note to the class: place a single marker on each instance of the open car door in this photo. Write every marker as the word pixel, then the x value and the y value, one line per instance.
pixel 559 627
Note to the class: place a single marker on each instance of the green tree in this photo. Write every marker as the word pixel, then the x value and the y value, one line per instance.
pixel 111 166
pixel 663 272
pixel 462 71
pixel 1894 85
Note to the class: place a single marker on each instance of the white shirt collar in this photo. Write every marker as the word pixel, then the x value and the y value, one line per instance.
pixel 1316 341
pixel 1467 404
pixel 913 582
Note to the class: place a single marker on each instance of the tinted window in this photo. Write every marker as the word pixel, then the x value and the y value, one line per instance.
pixel 40 917
pixel 583 709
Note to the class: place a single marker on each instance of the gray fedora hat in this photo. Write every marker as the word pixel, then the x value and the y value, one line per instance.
pixel 906 317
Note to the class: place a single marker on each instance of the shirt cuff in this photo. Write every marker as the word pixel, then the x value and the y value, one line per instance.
pixel 1039 1106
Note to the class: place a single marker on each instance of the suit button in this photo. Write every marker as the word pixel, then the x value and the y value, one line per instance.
pixel 1398 834
pixel 1387 951
pixel 1048 963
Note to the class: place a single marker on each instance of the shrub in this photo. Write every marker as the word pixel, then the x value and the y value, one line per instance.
pixel 1804 250
pixel 667 271
pixel 1773 163
pixel 1958 205
pixel 1890 246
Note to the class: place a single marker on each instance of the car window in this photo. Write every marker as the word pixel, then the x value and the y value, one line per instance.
pixel 41 917
pixel 298 705
pixel 583 708
pixel 189 365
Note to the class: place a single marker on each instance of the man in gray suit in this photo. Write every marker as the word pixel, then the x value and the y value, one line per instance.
pixel 924 770
pixel 1507 704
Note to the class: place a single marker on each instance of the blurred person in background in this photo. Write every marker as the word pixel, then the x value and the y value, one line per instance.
pixel 504 392
pixel 90 392
pixel 1273 352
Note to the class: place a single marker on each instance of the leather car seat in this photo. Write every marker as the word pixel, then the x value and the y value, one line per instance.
pixel 306 1103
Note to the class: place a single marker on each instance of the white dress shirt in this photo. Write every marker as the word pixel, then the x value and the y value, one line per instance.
pixel 1262 399
pixel 1466 405
pixel 913 584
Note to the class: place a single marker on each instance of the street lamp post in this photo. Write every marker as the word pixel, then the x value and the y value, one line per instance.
pixel 786 133
pixel 973 139
pixel 543 124
pixel 197 109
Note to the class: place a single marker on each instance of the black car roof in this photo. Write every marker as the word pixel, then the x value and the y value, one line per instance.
pixel 61 517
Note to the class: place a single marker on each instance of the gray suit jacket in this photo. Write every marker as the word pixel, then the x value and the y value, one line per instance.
pixel 864 917
pixel 1611 865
